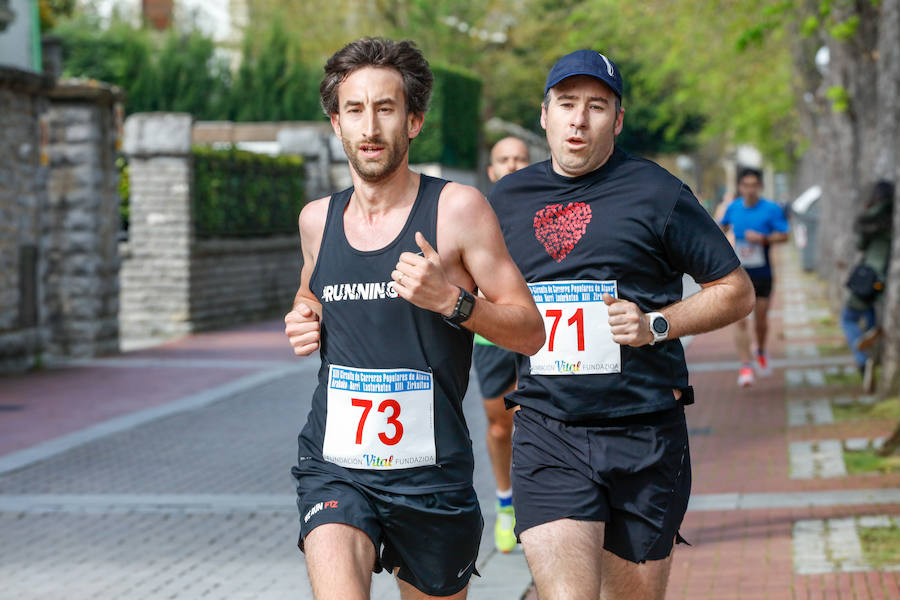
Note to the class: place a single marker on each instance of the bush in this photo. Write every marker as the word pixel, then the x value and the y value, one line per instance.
pixel 238 194
pixel 452 125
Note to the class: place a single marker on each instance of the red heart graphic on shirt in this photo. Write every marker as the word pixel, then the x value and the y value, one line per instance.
pixel 560 227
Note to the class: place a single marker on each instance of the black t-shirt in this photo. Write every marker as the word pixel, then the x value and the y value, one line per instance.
pixel 630 221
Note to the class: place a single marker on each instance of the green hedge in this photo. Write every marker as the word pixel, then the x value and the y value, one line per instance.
pixel 450 135
pixel 240 194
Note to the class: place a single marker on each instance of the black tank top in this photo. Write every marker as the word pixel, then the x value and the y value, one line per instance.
pixel 366 325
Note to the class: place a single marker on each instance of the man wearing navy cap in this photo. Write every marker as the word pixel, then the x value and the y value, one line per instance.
pixel 601 468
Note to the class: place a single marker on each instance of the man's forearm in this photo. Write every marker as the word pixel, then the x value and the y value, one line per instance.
pixel 716 305
pixel 514 327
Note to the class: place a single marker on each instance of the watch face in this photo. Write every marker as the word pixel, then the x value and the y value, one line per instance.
pixel 466 305
pixel 660 325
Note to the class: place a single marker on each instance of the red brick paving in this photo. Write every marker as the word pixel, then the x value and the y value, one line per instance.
pixel 46 404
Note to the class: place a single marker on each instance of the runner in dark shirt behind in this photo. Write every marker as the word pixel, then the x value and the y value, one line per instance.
pixel 496 371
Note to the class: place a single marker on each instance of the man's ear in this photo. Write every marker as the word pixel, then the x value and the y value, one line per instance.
pixel 336 124
pixel 415 123
pixel 620 121
pixel 543 115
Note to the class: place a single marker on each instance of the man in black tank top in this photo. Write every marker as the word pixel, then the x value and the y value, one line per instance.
pixel 384 473
pixel 601 469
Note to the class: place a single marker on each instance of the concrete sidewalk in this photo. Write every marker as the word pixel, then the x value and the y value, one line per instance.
pixel 165 473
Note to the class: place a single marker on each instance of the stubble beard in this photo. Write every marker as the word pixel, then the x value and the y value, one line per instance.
pixel 374 171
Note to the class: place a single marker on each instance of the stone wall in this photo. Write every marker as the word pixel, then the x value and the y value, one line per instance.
pixel 58 219
pixel 81 222
pixel 23 191
pixel 172 282
pixel 238 280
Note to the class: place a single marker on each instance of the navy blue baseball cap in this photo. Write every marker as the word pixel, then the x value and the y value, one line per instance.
pixel 586 62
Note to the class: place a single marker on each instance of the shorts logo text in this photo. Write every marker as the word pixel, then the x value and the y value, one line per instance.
pixel 317 507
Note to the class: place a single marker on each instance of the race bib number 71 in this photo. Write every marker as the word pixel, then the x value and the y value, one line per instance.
pixel 576 321
pixel 379 418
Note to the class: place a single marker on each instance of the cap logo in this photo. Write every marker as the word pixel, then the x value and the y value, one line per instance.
pixel 609 67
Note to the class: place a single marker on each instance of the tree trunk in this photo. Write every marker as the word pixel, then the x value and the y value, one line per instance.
pixel 887 167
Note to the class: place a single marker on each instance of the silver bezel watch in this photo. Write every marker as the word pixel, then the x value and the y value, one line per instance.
pixel 659 326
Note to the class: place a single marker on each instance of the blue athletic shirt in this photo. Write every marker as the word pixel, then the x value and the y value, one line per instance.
pixel 629 221
pixel 765 217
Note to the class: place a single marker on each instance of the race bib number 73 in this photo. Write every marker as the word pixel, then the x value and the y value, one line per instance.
pixel 576 321
pixel 379 418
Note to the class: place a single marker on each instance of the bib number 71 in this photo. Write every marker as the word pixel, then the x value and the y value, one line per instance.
pixel 392 419
pixel 576 319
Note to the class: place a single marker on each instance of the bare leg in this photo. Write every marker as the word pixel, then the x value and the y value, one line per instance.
pixel 339 559
pixel 499 438
pixel 742 341
pixel 408 592
pixel 564 558
pixel 761 321
pixel 624 580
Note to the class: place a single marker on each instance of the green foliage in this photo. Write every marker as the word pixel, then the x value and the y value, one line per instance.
pixel 840 99
pixel 50 11
pixel 240 193
pixel 181 72
pixel 450 135
pixel 124 191
pixel 868 462
pixel 272 83
pixel 880 545
pixel 846 29
pixel 810 26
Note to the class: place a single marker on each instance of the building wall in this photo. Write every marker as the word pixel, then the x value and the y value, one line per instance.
pixel 16 39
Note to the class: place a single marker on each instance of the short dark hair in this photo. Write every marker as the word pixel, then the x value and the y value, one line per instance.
pixel 403 57
pixel 749 171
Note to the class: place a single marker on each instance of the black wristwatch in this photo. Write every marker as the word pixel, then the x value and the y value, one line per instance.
pixel 463 310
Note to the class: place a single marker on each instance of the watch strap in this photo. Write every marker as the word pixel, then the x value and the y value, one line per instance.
pixel 465 303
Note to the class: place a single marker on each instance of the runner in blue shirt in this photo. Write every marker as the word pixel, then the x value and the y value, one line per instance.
pixel 757 223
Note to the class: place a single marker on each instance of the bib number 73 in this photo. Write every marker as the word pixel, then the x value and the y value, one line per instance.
pixel 383 406
pixel 379 418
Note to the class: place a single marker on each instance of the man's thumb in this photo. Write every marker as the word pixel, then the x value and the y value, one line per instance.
pixel 609 299
pixel 427 251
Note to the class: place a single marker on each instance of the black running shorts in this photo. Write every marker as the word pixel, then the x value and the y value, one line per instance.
pixel 432 538
pixel 496 369
pixel 632 473
pixel 762 286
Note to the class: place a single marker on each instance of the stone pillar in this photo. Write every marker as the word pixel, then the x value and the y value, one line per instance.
pixel 81 223
pixel 155 275
pixel 23 195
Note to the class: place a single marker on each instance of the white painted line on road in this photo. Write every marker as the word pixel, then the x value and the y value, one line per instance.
pixel 707 502
pixel 729 365
pixel 42 451
pixel 182 363
pixel 148 503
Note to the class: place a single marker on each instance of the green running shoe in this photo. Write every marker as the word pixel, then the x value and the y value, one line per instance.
pixel 504 536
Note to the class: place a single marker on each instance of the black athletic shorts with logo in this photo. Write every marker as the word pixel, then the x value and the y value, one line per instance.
pixel 495 367
pixel 632 473
pixel 432 538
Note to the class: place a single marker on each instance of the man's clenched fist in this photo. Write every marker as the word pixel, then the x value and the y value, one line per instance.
pixel 301 325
